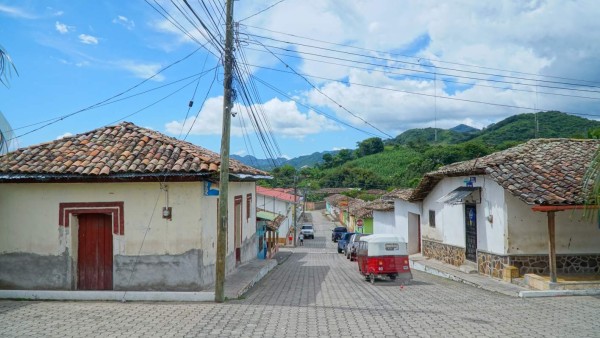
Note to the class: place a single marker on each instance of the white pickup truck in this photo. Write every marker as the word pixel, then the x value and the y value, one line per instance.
pixel 308 231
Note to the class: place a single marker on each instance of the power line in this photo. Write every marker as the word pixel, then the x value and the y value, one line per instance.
pixel 266 9
pixel 447 80
pixel 417 57
pixel 95 105
pixel 327 96
pixel 426 72
pixel 421 94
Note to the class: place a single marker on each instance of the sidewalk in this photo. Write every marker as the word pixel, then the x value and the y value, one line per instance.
pixel 435 267
pixel 236 284
pixel 248 274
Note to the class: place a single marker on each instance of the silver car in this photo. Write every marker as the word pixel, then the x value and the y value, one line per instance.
pixel 308 231
pixel 352 245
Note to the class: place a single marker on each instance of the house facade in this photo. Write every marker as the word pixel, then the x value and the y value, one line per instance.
pixel 281 203
pixel 503 210
pixel 119 208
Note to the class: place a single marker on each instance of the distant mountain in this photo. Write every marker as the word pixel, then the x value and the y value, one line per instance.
pixel 263 164
pixel 463 128
pixel 296 162
pixel 517 128
pixel 428 135
pixel 522 127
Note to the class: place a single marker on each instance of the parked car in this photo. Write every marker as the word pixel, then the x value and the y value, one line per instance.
pixel 343 241
pixel 352 245
pixel 308 231
pixel 337 233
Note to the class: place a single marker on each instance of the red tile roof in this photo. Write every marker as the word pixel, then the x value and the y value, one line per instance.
pixel 115 150
pixel 541 171
pixel 277 193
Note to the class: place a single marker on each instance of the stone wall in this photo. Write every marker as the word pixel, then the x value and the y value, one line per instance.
pixel 565 264
pixel 491 264
pixel 443 252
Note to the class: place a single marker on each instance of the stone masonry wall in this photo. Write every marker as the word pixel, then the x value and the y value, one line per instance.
pixel 565 264
pixel 491 264
pixel 443 252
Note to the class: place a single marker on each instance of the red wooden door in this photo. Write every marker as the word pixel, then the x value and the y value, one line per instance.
pixel 95 252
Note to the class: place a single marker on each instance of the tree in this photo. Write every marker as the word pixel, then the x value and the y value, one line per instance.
pixel 369 146
pixel 6 67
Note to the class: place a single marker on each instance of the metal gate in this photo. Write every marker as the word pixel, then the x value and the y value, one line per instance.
pixel 471 232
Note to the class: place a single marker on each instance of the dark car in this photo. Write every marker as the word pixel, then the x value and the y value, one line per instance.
pixel 337 233
pixel 343 241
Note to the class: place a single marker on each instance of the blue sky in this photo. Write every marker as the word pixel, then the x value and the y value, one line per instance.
pixel 371 68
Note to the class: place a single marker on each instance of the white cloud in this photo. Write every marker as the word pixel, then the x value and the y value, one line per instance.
pixel 535 37
pixel 88 39
pixel 283 116
pixel 16 12
pixel 124 21
pixel 141 70
pixel 62 28
pixel 67 134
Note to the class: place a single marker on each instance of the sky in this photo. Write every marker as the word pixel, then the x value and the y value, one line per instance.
pixel 311 75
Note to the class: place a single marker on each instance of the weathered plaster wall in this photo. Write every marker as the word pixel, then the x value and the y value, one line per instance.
pixel 31 233
pixel 528 231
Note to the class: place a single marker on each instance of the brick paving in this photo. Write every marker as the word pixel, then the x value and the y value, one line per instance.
pixel 315 292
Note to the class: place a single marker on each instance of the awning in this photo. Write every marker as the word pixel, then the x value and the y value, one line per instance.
pixel 462 195
pixel 269 216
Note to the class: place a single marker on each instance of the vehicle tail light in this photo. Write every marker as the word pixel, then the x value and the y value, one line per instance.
pixel 406 261
pixel 380 262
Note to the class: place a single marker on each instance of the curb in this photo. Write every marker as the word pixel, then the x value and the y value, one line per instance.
pixel 559 293
pixel 433 271
pixel 122 296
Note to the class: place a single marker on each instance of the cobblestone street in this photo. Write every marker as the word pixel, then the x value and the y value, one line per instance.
pixel 316 292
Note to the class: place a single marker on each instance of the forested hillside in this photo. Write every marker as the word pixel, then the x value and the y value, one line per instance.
pixel 404 160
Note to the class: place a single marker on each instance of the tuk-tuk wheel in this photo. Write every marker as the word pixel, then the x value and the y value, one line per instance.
pixel 372 278
pixel 393 277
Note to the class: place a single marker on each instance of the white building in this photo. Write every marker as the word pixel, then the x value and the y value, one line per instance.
pixel 119 208
pixel 281 203
pixel 504 209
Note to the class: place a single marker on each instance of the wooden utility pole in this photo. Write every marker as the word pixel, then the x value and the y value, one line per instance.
pixel 296 234
pixel 552 246
pixel 224 169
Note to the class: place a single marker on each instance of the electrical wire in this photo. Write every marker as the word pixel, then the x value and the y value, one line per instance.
pixel 418 58
pixel 262 11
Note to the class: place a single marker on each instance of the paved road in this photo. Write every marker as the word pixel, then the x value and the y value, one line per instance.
pixel 318 293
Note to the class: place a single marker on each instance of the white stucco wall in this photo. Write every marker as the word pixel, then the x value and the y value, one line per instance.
pixel 383 222
pixel 31 212
pixel 275 205
pixel 450 219
pixel 401 213
pixel 528 231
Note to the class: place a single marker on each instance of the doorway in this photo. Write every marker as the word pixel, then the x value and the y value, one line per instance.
pixel 237 226
pixel 471 232
pixel 95 252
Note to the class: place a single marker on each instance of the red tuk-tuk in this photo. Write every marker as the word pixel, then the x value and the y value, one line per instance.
pixel 383 255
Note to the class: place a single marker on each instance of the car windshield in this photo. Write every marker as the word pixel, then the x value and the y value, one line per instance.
pixel 340 229
pixel 347 236
pixel 307 227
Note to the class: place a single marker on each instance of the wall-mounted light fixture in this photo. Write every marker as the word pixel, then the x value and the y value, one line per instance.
pixel 167 213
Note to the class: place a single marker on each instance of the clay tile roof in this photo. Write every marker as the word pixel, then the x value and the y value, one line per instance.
pixel 402 194
pixel 380 205
pixel 121 149
pixel 540 171
pixel 334 199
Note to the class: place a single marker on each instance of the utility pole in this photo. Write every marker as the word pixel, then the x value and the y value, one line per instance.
pixel 224 169
pixel 294 212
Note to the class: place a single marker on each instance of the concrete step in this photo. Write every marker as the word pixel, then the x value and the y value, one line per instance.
pixel 468 267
